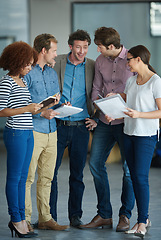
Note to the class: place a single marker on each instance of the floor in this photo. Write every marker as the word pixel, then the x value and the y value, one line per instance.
pixel 89 205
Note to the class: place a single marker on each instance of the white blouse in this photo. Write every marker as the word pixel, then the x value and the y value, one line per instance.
pixel 142 98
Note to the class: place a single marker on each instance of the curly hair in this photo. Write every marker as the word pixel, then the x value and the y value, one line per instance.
pixel 79 35
pixel 16 56
pixel 107 36
pixel 44 41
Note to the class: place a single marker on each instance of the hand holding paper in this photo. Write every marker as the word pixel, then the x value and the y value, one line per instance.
pixel 132 113
pixel 109 119
pixel 67 110
pixel 49 114
pixel 113 106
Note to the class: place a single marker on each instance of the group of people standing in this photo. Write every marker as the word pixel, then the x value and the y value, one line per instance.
pixel 36 140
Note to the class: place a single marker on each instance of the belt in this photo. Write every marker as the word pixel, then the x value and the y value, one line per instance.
pixel 70 123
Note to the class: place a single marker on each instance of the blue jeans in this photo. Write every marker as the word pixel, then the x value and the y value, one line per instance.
pixel 139 153
pixel 19 145
pixel 76 139
pixel 104 138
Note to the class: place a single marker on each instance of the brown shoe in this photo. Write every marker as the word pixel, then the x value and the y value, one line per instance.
pixel 51 225
pixel 123 225
pixel 97 222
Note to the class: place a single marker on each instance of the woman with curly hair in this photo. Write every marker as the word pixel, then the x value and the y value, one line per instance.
pixel 16 105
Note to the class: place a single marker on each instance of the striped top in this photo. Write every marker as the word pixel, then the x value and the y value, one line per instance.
pixel 14 96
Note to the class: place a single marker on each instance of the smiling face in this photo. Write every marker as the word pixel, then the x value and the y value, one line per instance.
pixel 50 55
pixel 79 51
pixel 131 61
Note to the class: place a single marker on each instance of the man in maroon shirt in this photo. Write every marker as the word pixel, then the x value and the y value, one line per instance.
pixel 111 74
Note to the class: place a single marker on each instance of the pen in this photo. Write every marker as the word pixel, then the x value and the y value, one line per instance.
pixel 56 94
pixel 100 96
pixel 65 102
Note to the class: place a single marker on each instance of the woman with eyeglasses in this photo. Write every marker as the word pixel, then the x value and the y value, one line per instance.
pixel 143 97
pixel 16 105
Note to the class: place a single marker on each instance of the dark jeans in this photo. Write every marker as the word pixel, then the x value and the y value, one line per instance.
pixel 19 145
pixel 76 139
pixel 139 152
pixel 104 138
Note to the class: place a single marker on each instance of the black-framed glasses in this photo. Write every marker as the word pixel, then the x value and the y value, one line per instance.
pixel 128 59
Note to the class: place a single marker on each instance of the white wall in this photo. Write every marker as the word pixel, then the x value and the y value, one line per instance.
pixel 54 16
pixel 14 19
pixel 51 16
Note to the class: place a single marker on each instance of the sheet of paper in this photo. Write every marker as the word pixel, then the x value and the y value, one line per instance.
pixel 66 111
pixel 113 106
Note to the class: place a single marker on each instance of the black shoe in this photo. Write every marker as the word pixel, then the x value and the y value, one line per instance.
pixel 17 233
pixel 35 225
pixel 75 221
pixel 33 234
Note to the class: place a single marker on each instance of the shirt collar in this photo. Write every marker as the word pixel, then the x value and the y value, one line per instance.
pixel 122 54
pixel 38 66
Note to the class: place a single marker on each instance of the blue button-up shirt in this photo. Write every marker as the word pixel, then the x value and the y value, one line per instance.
pixel 42 84
pixel 74 89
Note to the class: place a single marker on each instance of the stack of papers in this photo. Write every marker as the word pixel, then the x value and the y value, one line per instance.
pixel 66 111
pixel 113 106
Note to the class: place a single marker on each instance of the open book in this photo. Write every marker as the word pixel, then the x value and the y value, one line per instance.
pixel 113 106
pixel 66 111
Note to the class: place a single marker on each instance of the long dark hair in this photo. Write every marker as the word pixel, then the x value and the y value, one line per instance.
pixel 142 52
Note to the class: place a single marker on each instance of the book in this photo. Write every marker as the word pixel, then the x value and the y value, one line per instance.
pixel 66 111
pixel 48 102
pixel 114 106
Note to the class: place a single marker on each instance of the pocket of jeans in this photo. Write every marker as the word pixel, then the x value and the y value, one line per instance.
pixel 18 133
pixel 83 128
pixel 10 134
pixel 153 139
